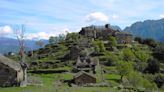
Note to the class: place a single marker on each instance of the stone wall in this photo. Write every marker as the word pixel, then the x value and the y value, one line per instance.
pixel 124 38
pixel 84 79
pixel 8 76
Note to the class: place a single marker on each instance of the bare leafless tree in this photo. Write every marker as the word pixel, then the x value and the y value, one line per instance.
pixel 20 31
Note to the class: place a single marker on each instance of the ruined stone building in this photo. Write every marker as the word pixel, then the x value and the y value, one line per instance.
pixel 10 72
pixel 86 64
pixel 123 38
pixel 103 32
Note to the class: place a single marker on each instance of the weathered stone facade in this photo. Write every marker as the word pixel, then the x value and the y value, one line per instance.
pixel 97 32
pixel 86 64
pixel 83 78
pixel 10 72
pixel 123 38
pixel 103 32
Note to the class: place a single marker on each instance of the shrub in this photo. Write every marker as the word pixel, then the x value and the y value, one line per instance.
pixel 140 66
pixel 159 80
pixel 138 82
pixel 112 60
pixel 159 52
pixel 142 55
pixel 153 66
pixel 128 54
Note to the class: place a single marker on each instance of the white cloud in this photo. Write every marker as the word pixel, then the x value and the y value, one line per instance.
pixel 45 35
pixel 5 30
pixel 114 16
pixel 97 16
pixel 161 15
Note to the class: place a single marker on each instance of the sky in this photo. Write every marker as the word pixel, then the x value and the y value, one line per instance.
pixel 45 18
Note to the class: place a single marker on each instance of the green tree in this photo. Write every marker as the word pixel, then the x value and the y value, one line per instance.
pixel 134 79
pixel 112 41
pixel 137 81
pixel 124 68
pixel 100 44
pixel 142 55
pixel 128 54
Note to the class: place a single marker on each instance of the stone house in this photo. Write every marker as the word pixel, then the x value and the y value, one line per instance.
pixel 10 72
pixel 82 78
pixel 123 38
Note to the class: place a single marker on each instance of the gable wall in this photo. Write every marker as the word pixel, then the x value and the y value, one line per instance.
pixel 8 76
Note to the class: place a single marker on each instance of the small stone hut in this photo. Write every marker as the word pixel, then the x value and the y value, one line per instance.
pixel 10 72
pixel 82 78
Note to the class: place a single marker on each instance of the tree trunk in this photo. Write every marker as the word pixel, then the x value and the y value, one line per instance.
pixel 24 67
pixel 24 82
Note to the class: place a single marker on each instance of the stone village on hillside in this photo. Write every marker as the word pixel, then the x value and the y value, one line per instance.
pixel 11 72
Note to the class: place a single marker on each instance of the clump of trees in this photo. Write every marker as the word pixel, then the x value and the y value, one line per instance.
pixel 72 37
pixel 148 41
pixel 57 39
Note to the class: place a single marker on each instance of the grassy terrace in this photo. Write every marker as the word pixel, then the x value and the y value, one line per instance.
pixel 49 86
pixel 58 89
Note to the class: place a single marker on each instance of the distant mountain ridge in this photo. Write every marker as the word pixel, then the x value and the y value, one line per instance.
pixel 148 29
pixel 11 45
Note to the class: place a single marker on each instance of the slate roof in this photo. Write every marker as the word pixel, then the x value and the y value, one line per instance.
pixel 11 63
pixel 82 72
